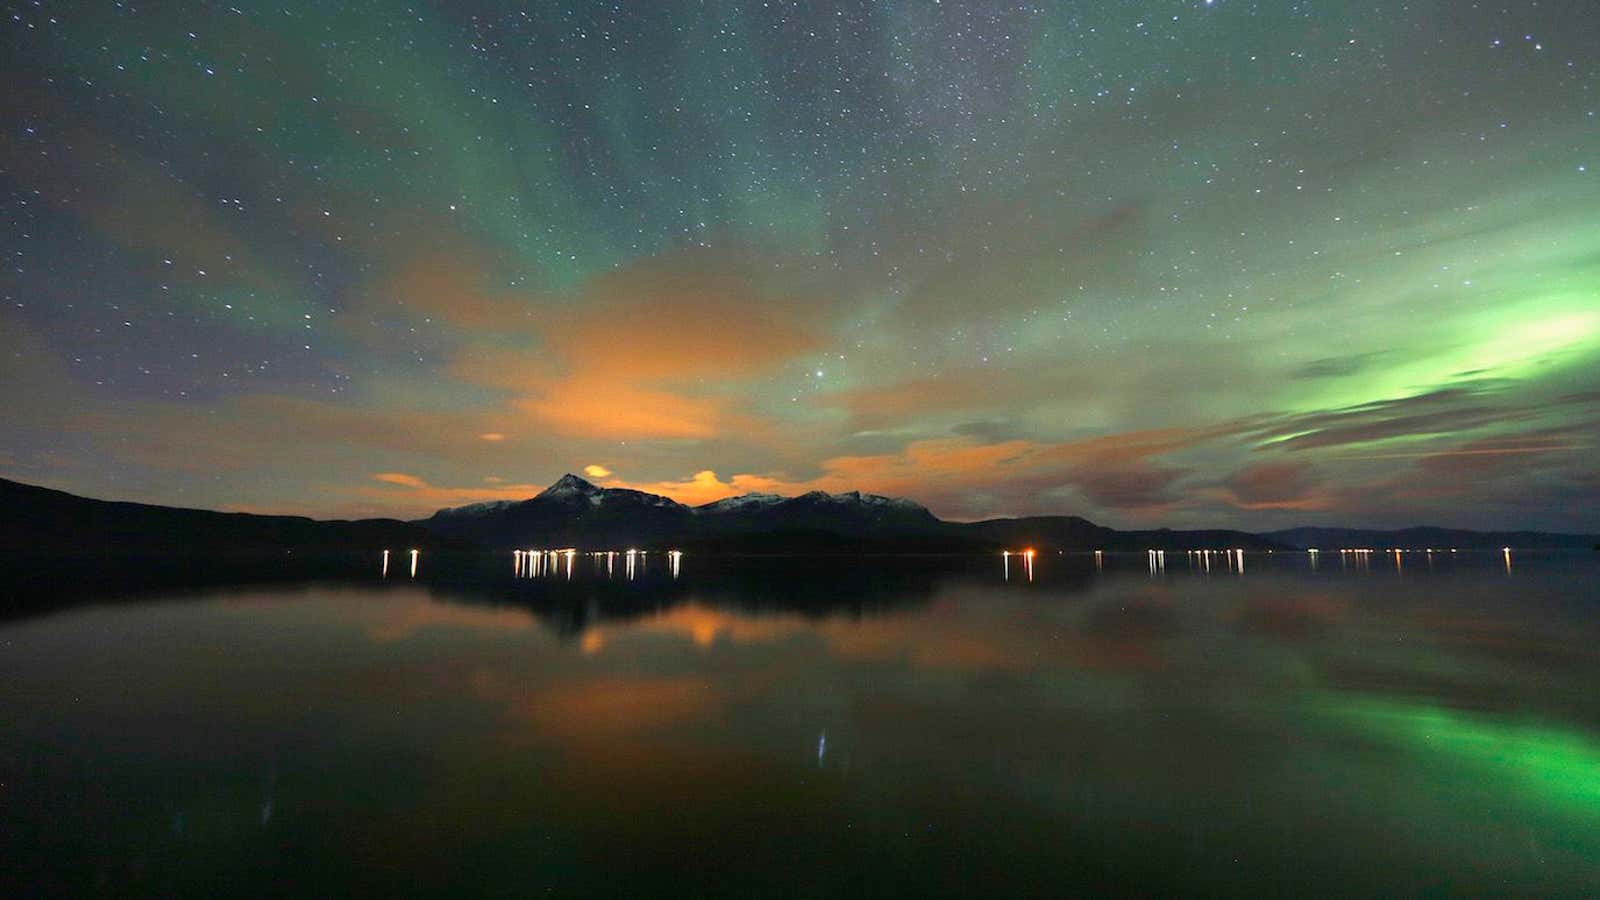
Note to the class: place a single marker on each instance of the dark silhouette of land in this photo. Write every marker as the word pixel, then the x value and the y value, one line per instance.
pixel 51 540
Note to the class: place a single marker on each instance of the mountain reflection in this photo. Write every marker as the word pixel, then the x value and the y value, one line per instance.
pixel 817 588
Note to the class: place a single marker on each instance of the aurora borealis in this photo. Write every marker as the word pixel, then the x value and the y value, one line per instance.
pixel 1209 262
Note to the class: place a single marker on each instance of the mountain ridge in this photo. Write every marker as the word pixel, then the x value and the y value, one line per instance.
pixel 573 511
pixel 38 522
pixel 817 518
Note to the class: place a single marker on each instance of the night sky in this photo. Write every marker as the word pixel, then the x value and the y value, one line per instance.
pixel 1204 262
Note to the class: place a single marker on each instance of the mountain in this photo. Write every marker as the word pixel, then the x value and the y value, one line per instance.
pixel 1422 537
pixel 851 514
pixel 1074 533
pixel 50 540
pixel 575 512
pixel 37 521
pixel 741 502
pixel 474 510
pixel 570 513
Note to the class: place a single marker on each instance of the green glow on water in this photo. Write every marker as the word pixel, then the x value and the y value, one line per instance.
pixel 1548 765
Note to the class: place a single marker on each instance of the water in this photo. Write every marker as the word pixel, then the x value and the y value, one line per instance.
pixel 822 727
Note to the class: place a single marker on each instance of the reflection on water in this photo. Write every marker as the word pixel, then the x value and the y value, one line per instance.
pixel 543 563
pixel 588 725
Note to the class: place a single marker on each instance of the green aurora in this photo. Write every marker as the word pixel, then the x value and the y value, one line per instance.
pixel 1185 263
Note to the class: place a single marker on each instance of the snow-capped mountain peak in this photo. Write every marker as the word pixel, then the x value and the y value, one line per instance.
pixel 741 503
pixel 479 509
pixel 571 486
pixel 856 498
pixel 568 504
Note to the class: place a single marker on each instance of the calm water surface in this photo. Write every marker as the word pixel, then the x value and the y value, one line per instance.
pixel 819 728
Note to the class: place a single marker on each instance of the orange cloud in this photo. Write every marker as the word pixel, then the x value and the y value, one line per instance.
pixel 658 351
pixel 1279 485
pixel 420 495
pixel 703 487
pixel 606 407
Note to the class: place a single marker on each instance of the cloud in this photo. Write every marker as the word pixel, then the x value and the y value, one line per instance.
pixel 883 405
pixel 1338 366
pixel 658 350
pixel 596 471
pixel 1276 485
pixel 419 495
pixel 401 479
pixel 1517 454
pixel 1440 412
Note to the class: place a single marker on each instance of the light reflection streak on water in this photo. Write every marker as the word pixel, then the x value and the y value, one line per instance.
pixel 530 563
pixel 1027 563
pixel 1359 559
pixel 535 563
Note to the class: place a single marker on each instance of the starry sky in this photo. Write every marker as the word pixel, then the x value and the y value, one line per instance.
pixel 1214 262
